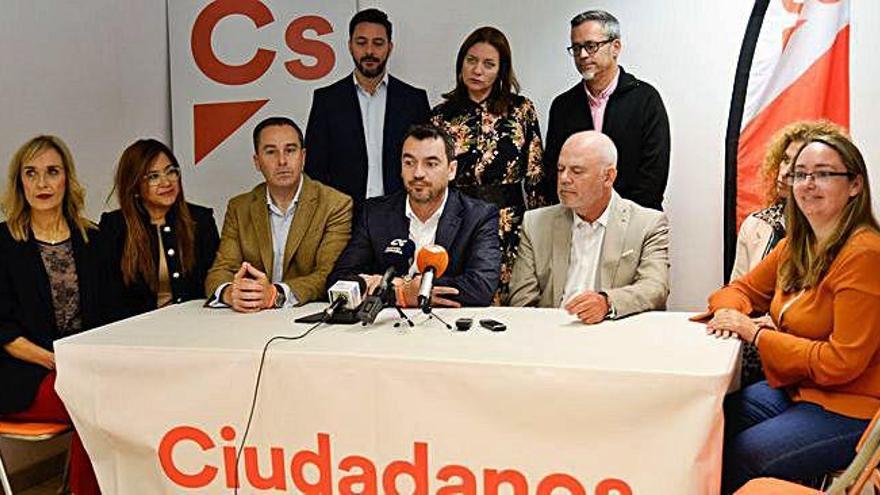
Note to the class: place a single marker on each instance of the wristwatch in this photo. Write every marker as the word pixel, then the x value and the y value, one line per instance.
pixel 280 296
pixel 611 313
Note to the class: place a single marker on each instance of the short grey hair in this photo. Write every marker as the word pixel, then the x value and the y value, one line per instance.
pixel 609 23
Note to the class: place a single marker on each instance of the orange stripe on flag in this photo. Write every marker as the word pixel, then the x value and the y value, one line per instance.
pixel 822 92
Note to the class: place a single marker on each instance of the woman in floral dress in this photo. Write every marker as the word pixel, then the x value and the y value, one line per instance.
pixel 497 138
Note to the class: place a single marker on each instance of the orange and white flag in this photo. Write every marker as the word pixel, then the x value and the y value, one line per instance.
pixel 793 65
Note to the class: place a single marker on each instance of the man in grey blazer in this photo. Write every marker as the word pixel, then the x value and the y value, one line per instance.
pixel 596 255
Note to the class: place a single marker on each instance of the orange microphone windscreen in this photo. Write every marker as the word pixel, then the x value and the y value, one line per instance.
pixel 432 255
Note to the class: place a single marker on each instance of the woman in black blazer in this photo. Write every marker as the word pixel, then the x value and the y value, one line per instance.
pixel 160 246
pixel 52 281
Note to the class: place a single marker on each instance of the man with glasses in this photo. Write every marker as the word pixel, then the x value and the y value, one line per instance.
pixel 614 102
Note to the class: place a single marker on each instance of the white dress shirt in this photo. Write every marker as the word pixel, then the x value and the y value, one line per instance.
pixel 586 250
pixel 423 233
pixel 373 117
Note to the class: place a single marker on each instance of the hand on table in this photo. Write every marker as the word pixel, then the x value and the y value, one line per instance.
pixel 728 323
pixel 250 290
pixel 589 306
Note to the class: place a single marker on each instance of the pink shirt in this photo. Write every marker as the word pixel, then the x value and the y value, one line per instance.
pixel 598 103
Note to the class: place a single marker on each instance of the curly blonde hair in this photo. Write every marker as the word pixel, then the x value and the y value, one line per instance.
pixel 15 205
pixel 794 132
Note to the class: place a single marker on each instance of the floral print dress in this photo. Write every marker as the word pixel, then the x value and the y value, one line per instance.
pixel 500 160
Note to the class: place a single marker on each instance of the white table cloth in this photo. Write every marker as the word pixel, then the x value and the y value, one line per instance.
pixel 550 405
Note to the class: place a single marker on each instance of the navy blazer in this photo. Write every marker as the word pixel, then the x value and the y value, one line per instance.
pixel 138 297
pixel 468 229
pixel 336 149
pixel 26 308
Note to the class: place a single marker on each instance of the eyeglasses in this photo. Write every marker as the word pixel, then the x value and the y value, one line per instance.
pixel 171 174
pixel 590 46
pixel 822 176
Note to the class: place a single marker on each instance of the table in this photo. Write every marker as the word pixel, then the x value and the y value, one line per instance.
pixel 629 406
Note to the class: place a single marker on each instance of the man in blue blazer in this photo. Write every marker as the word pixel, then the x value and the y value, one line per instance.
pixel 356 125
pixel 428 212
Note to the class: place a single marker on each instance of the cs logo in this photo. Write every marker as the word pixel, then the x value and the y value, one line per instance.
pixel 214 122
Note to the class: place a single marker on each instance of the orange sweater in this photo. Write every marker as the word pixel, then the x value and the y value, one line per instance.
pixel 828 348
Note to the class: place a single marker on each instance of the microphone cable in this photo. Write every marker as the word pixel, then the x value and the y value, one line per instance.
pixel 257 389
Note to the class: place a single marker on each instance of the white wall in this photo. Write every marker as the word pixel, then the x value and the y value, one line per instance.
pixel 95 72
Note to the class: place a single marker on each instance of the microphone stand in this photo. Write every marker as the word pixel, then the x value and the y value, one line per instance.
pixel 429 310
pixel 403 318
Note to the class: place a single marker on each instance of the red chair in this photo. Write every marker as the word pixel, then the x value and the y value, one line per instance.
pixel 29 432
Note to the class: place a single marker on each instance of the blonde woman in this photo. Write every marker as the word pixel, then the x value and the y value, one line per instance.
pixel 51 285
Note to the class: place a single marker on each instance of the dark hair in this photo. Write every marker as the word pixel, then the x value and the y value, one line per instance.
pixel 138 250
pixel 500 98
pixel 609 23
pixel 270 121
pixel 421 132
pixel 373 16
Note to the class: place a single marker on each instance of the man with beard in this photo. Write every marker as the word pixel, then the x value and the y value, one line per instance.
pixel 356 125
pixel 595 255
pixel 612 101
pixel 428 212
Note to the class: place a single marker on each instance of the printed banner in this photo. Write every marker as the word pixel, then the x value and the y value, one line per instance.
pixel 235 62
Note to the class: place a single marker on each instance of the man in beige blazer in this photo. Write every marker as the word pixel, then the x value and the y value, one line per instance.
pixel 281 239
pixel 596 254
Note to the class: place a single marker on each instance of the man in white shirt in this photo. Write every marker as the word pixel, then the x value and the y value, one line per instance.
pixel 356 125
pixel 428 212
pixel 596 255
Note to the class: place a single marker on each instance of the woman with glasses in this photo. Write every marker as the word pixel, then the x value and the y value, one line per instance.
pixel 763 229
pixel 821 352
pixel 496 135
pixel 53 283
pixel 161 246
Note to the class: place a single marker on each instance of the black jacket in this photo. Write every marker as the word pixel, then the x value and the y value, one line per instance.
pixel 336 149
pixel 138 298
pixel 635 119
pixel 468 229
pixel 26 307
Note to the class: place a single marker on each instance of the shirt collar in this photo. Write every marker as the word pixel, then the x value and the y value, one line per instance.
pixel 602 220
pixel 606 93
pixel 275 209
pixel 434 216
pixel 383 82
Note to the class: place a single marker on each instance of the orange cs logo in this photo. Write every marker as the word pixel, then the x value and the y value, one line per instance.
pixel 214 122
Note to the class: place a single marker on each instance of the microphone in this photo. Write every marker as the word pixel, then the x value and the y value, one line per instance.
pixel 432 261
pixel 345 294
pixel 397 257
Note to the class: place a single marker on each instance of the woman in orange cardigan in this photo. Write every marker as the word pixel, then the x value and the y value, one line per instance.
pixel 820 353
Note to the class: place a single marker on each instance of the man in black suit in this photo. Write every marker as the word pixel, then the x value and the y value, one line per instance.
pixel 428 212
pixel 612 101
pixel 356 125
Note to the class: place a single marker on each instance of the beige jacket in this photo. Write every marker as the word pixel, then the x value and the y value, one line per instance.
pixel 320 230
pixel 634 263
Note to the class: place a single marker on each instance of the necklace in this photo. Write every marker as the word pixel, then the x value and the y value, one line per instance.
pixel 58 235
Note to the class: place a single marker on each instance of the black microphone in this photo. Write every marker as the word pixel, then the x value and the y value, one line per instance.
pixel 397 257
